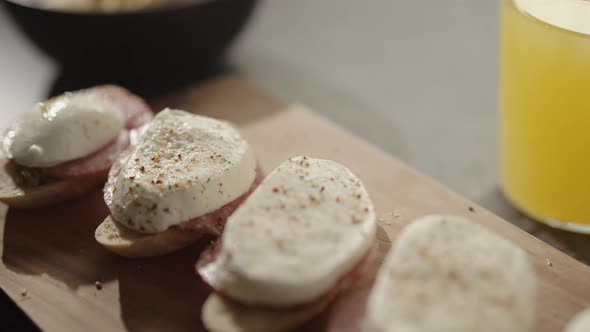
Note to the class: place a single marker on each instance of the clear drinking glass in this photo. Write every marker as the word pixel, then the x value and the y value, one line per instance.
pixel 545 110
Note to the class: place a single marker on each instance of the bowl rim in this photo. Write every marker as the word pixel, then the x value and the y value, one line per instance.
pixel 156 10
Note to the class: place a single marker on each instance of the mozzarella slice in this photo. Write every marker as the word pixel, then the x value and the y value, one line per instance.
pixel 128 243
pixel 183 167
pixel 308 224
pixel 580 323
pixel 449 274
pixel 64 128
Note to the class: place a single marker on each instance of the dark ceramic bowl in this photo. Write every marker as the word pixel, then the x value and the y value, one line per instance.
pixel 138 45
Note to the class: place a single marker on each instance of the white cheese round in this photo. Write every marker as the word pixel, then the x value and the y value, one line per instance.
pixel 64 128
pixel 307 225
pixel 447 273
pixel 573 15
pixel 580 323
pixel 183 167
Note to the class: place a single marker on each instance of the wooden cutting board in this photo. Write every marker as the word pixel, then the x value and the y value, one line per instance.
pixel 52 253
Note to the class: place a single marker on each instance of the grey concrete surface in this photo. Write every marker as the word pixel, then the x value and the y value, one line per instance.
pixel 416 78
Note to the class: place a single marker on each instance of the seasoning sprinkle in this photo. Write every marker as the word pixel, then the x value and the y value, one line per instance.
pixel 313 199
pixel 471 209
pixel 98 285
pixel 322 190
pixel 23 292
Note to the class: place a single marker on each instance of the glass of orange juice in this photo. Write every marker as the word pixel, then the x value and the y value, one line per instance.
pixel 545 110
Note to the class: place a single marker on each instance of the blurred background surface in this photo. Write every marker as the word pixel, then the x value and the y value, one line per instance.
pixel 418 80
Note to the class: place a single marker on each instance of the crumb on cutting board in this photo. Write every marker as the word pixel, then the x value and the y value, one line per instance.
pixel 389 218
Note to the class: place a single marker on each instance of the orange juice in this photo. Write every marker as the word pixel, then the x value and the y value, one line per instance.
pixel 545 110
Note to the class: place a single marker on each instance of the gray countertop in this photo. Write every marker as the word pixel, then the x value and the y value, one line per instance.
pixel 417 79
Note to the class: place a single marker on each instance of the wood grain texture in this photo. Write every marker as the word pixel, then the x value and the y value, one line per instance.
pixel 52 252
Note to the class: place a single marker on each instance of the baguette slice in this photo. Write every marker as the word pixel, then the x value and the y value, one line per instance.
pixel 129 243
pixel 132 244
pixel 580 323
pixel 447 273
pixel 45 195
pixel 220 315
